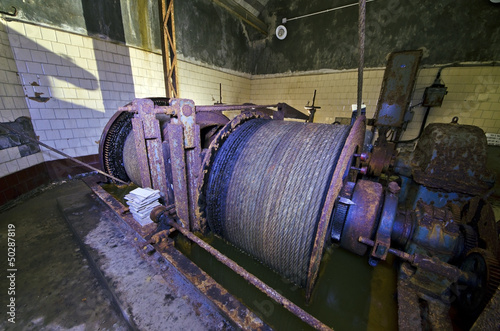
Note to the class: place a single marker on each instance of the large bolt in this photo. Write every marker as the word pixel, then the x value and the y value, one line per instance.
pixel 186 110
pixel 362 170
pixel 362 156
pixel 394 188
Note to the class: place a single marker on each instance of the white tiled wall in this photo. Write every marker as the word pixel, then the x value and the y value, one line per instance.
pixel 12 105
pixel 473 94
pixel 84 81
pixel 201 84
pixel 335 92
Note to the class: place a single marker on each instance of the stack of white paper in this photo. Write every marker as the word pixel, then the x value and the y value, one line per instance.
pixel 141 202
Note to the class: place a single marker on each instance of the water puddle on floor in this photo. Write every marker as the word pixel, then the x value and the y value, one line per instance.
pixel 349 294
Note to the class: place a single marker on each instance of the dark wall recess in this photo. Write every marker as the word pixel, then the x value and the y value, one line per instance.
pixel 8 139
pixel 132 22
pixel 447 31
pixel 207 33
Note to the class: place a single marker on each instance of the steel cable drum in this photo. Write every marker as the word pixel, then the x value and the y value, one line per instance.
pixel 265 188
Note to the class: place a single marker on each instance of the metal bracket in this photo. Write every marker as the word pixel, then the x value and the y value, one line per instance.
pixel 383 237
pixel 14 13
pixel 341 209
pixel 184 137
pixel 148 143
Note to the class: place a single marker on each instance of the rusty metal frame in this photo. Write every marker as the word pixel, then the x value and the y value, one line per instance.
pixel 264 288
pixel 185 151
pixel 397 87
pixel 227 304
pixel 240 12
pixel 353 143
pixel 233 107
pixel 179 178
pixel 148 144
pixel 169 48
pixel 183 136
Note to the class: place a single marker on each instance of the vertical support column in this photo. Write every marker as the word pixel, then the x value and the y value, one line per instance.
pixel 169 48
pixel 176 143
pixel 149 146
pixel 187 175
pixel 152 135
pixel 142 155
pixel 193 163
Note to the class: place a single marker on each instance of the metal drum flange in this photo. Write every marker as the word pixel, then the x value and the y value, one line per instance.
pixel 353 144
pixel 266 187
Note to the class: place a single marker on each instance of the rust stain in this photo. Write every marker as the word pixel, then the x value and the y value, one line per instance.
pixel 38 98
pixel 452 157
pixel 272 293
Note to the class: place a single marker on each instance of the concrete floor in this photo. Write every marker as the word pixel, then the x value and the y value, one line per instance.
pixel 95 280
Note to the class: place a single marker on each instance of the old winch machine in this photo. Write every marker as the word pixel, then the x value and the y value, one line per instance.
pixel 283 190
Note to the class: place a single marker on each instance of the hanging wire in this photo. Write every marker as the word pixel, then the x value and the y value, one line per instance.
pixel 322 12
pixel 361 36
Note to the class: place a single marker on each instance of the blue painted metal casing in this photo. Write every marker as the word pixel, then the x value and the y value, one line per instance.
pixel 437 198
pixel 436 233
pixel 397 87
pixel 452 158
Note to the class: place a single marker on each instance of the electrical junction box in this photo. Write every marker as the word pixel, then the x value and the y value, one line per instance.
pixel 434 95
pixel 493 139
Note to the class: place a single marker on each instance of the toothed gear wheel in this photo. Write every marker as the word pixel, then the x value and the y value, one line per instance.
pixel 338 220
pixel 486 268
pixel 470 238
pixel 340 212
pixel 111 144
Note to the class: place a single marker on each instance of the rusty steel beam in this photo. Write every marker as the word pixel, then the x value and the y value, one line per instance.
pixel 269 291
pixel 240 12
pixel 193 166
pixel 142 156
pixel 219 296
pixel 353 144
pixel 187 117
pixel 227 304
pixel 119 209
pixel 178 161
pixel 361 48
pixel 152 135
pixel 232 107
pixel 169 48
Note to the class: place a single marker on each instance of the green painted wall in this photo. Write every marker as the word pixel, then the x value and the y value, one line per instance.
pixel 207 33
pixel 447 30
pixel 132 22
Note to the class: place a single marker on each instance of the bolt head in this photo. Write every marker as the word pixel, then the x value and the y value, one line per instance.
pixel 187 110
pixel 394 188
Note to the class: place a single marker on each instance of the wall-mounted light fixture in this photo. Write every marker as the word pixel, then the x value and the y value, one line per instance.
pixel 281 31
